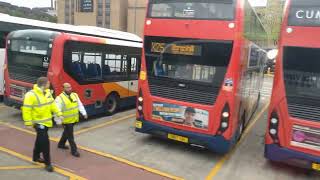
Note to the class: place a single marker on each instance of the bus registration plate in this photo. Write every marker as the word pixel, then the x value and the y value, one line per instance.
pixel 316 166
pixel 178 138
pixel 138 124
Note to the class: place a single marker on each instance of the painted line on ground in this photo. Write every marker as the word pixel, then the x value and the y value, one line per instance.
pixel 20 167
pixel 56 169
pixel 269 75
pixel 106 155
pixel 104 124
pixel 214 171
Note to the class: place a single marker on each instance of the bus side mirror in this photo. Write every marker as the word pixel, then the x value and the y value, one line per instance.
pixel 272 54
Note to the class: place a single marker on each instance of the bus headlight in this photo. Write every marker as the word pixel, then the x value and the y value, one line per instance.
pixel 140 99
pixel 224 125
pixel 273 131
pixel 225 115
pixel 274 127
pixel 140 108
pixel 274 120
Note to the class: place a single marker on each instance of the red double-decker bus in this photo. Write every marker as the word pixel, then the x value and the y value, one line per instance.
pixel 293 134
pixel 201 71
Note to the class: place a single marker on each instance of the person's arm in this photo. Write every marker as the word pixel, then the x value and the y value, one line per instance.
pixel 81 108
pixel 27 107
pixel 56 109
pixel 59 105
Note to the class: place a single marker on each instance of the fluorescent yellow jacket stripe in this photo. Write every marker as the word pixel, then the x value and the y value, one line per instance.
pixel 69 108
pixel 39 107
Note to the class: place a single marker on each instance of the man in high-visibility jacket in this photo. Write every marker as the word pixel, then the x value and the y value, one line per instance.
pixel 37 110
pixel 70 105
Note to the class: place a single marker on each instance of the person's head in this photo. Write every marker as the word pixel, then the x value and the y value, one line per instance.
pixel 67 88
pixel 189 114
pixel 43 83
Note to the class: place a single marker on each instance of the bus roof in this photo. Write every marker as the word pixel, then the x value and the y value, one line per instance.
pixel 83 30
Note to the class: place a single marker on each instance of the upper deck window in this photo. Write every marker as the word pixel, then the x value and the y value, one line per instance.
pixel 192 9
pixel 304 13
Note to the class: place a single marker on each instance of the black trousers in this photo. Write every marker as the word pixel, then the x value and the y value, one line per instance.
pixel 42 144
pixel 68 135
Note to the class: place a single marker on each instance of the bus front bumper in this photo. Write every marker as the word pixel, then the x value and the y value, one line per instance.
pixel 216 143
pixel 295 158
pixel 11 102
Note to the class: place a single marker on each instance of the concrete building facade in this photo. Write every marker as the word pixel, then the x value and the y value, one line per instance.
pixel 123 15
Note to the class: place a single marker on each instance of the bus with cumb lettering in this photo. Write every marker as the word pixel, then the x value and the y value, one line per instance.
pixel 293 132
pixel 201 71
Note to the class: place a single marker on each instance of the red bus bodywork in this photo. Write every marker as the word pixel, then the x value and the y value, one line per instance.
pixel 208 30
pixel 280 146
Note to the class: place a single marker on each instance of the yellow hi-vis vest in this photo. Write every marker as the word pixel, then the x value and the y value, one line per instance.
pixel 69 108
pixel 38 107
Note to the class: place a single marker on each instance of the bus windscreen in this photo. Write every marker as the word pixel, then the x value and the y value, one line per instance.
pixel 29 54
pixel 304 13
pixel 201 61
pixel 192 9
pixel 302 72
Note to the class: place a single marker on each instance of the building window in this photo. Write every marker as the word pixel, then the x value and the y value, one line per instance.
pixel 86 6
pixel 99 21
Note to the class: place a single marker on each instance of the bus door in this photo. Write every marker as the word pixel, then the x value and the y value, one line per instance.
pixel 134 66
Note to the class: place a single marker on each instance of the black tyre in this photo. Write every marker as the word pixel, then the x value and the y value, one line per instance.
pixel 112 104
pixel 242 125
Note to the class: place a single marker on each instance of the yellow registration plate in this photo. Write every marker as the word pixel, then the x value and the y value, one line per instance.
pixel 138 124
pixel 316 166
pixel 178 138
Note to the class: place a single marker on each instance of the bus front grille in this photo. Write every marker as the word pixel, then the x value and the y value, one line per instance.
pixel 185 95
pixel 306 109
pixel 23 77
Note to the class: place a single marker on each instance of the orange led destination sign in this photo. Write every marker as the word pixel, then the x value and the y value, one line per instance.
pixel 183 49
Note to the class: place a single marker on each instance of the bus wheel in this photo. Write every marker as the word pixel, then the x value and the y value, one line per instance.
pixel 241 125
pixel 112 103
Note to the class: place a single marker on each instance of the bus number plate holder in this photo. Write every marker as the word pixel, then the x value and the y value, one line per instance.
pixel 178 138
pixel 138 124
pixel 316 166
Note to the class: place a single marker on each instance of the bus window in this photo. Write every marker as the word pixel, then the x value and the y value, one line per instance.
pixel 134 67
pixel 92 62
pixel 204 62
pixel 302 80
pixel 192 9
pixel 26 55
pixel 115 67
pixel 83 62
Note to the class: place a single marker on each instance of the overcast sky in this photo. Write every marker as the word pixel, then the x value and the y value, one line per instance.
pixel 47 3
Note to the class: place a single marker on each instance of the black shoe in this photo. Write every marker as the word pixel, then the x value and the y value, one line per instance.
pixel 49 168
pixel 76 154
pixel 39 160
pixel 63 147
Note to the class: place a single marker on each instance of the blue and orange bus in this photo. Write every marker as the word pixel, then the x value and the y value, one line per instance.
pixel 102 70
pixel 201 71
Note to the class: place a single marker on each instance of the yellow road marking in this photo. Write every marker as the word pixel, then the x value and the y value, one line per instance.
pixel 19 167
pixel 269 75
pixel 104 124
pixel 56 169
pixel 119 159
pixel 219 164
